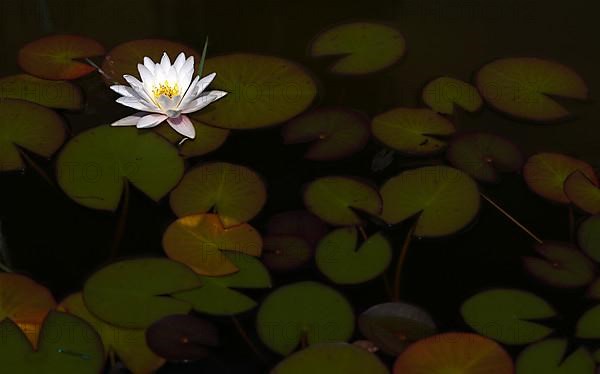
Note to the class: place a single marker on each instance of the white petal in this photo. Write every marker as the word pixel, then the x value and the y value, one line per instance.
pixel 123 90
pixel 165 103
pixel 179 61
pixel 203 100
pixel 184 77
pixel 183 125
pixel 150 120
pixel 149 64
pixel 135 103
pixel 131 120
pixel 204 82
pixel 191 93
pixel 146 75
pixel 165 62
pixel 140 89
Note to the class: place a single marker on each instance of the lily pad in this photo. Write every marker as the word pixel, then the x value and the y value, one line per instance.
pixel 412 131
pixel 362 47
pixel 394 326
pixel 588 237
pixel 298 223
pixel 52 94
pixel 444 199
pixel 334 199
pixel 29 126
pixel 285 252
pixel 546 173
pixel 454 353
pixel 508 315
pixel 443 93
pixel 525 87
pixel 304 312
pixel 563 265
pixel 94 166
pixel 236 193
pixel 262 91
pixel 123 59
pixel 548 357
pixel 588 326
pixel 78 351
pixel 207 139
pixel 339 257
pixel 583 192
pixel 137 293
pixel 128 344
pixel 593 291
pixel 483 156
pixel 331 358
pixel 199 241
pixel 334 133
pixel 55 56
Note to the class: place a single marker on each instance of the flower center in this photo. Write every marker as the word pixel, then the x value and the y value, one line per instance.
pixel 166 89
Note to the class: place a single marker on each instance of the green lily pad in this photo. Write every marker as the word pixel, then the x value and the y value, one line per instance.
pixel 331 358
pixel 285 252
pixel 339 257
pixel 588 237
pixel 333 199
pixel 216 296
pixel 394 326
pixel 588 326
pixel 236 193
pixel 298 223
pixel 548 357
pixel 334 133
pixel 507 315
pixel 52 94
pixel 525 87
pixel 29 126
pixel 412 131
pixel 207 139
pixel 443 93
pixel 67 345
pixel 563 265
pixel 136 293
pixel 583 192
pixel 444 199
pixel 483 156
pixel 54 56
pixel 94 166
pixel 262 91
pixel 362 47
pixel 306 312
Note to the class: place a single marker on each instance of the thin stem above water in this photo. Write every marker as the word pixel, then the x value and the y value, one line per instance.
pixel 511 218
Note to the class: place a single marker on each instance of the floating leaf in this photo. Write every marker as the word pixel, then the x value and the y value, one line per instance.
pixel 331 358
pixel 394 326
pixel 362 47
pixel 67 345
pixel 95 165
pixel 588 237
pixel 444 199
pixel 207 139
pixel 52 94
pixel 29 126
pixel 588 326
pixel 524 87
pixel 334 199
pixel 335 133
pixel 507 315
pixel 583 192
pixel 563 265
pixel 339 257
pixel 306 311
pixel 54 57
pixel 594 289
pixel 548 357
pixel 198 241
pixel 412 131
pixel 545 174
pixel 298 223
pixel 442 94
pixel 285 252
pixel 262 91
pixel 483 156
pixel 454 353
pixel 128 344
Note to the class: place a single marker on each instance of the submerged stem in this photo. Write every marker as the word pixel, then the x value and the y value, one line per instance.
pixel 363 233
pixel 249 341
pixel 5 268
pixel 401 260
pixel 121 223
pixel 514 220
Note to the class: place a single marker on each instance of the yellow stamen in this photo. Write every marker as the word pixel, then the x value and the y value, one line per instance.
pixel 165 89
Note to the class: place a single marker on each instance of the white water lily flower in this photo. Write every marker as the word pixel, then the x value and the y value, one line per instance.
pixel 166 92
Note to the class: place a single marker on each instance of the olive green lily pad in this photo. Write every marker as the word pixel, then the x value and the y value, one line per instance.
pixel 234 192
pixel 334 199
pixel 262 91
pixel 412 131
pixel 208 139
pixel 94 166
pixel 444 199
pixel 588 325
pixel 303 313
pixel 29 126
pixel 548 357
pixel 525 87
pixel 331 358
pixel 298 223
pixel 285 252
pixel 339 257
pixel 67 345
pixel 52 94
pixel 443 93
pixel 362 47
pixel 588 237
pixel 508 315
pixel 583 192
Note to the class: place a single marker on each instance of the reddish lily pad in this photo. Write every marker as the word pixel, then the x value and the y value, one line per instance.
pixel 285 252
pixel 442 94
pixel 54 57
pixel 207 139
pixel 588 237
pixel 334 133
pixel 583 192
pixel 417 132
pixel 52 94
pixel 298 223
pixel 548 357
pixel 525 87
